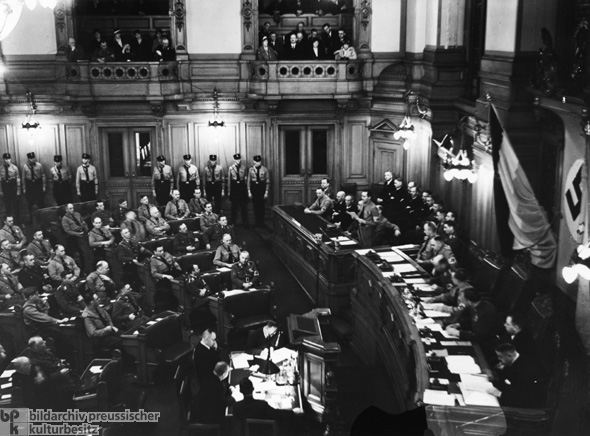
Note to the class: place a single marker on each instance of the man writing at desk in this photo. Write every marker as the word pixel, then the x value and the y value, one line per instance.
pixel 266 337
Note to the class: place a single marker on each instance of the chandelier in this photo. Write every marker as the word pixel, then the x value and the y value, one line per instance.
pixel 579 264
pixel 10 11
pixel 406 128
pixel 459 167
pixel 32 111
pixel 32 4
pixel 216 122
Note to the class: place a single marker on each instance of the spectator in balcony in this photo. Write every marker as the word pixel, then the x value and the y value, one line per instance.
pixel 265 52
pixel 330 40
pixel 103 53
pixel 279 7
pixel 140 47
pixel 74 52
pixel 94 45
pixel 164 52
pixel 293 51
pixel 336 7
pixel 263 31
pixel 303 43
pixel 345 53
pixel 118 45
pixel 342 37
pixel 313 34
pixel 157 40
pixel 299 7
pixel 276 44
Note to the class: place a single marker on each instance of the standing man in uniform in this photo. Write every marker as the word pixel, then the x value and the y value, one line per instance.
pixel 87 180
pixel 258 186
pixel 61 176
pixel 187 178
pixel 10 187
pixel 162 181
pixel 214 178
pixel 33 182
pixel 237 190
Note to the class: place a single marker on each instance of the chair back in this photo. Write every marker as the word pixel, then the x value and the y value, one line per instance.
pixel 260 427
pixel 111 377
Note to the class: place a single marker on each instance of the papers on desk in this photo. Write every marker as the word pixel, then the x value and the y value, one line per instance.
pixel 6 396
pixel 96 369
pixel 260 385
pixel 440 353
pixel 438 398
pixel 349 242
pixel 455 343
pixel 363 252
pixel 340 239
pixel 223 269
pixel 150 322
pixel 474 389
pixel 435 314
pixel 8 373
pixel 422 287
pixel 404 247
pixel 462 365
pixel 233 292
pixel 415 281
pixel 240 360
pixel 404 268
pixel 6 385
pixel 391 257
pixel 278 355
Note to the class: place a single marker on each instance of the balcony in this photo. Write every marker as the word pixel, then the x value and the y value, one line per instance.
pixel 305 78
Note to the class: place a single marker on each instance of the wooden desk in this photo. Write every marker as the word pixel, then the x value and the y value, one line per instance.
pixel 87 396
pixel 325 273
pixel 277 393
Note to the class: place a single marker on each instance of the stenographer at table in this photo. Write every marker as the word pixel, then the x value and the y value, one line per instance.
pixel 266 337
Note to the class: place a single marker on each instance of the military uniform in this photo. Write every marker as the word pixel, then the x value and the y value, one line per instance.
pixel 100 285
pixel 41 250
pixel 162 181
pixel 187 179
pixel 14 235
pixel 95 239
pixel 34 183
pixel 214 234
pixel 176 210
pixel 9 285
pixel 197 205
pixel 208 220
pixel 10 187
pixel 258 186
pixel 225 255
pixel 61 177
pixel 244 273
pixel 214 177
pixel 11 259
pixel 57 266
pixel 163 298
pixel 127 252
pixel 183 240
pixel 157 227
pixel 87 180
pixel 125 305
pixel 237 190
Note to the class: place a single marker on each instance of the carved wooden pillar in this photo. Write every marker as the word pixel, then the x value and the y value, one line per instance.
pixel 249 29
pixel 362 27
pixel 64 25
pixel 178 28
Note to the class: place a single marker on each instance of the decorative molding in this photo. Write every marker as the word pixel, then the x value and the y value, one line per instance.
pixel 179 15
pixel 366 13
pixel 247 13
pixel 158 109
pixel 60 16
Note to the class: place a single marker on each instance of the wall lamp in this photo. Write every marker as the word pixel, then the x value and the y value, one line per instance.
pixel 579 264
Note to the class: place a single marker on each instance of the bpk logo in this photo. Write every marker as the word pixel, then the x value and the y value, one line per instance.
pixel 14 422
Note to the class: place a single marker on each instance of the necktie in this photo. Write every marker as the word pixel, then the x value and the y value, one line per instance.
pixel 6 167
pixel 58 170
pixel 32 167
pixel 212 174
pixel 237 173
pixel 188 174
pixel 86 172
pixel 168 266
pixel 102 233
pixel 43 249
pixel 257 174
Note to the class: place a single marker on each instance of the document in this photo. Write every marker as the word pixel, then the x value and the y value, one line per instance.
pixel 282 354
pixel 476 398
pixel 349 242
pixel 438 398
pixel 8 373
pixel 435 314
pixel 404 268
pixel 415 281
pixel 240 360
pixel 96 369
pixel 462 365
pixel 391 257
pixel 223 269
pixel 340 239
pixel 6 385
pixel 363 251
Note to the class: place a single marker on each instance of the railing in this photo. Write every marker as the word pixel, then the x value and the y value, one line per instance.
pixel 334 70
pixel 122 71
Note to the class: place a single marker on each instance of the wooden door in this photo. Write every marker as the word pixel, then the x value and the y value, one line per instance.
pixel 306 158
pixel 127 153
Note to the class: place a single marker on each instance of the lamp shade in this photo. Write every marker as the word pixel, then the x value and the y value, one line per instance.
pixel 10 11
pixel 569 274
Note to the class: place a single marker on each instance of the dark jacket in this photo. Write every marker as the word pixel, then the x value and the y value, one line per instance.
pixel 523 384
pixel 211 400
pixel 204 360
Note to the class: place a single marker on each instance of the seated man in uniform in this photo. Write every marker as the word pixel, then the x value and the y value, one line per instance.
pixel 244 273
pixel 10 257
pixel 103 214
pixel 339 207
pixel 35 314
pixel 322 206
pixel 156 226
pixel 120 213
pixel 127 313
pixel 164 270
pixel 212 236
pixel 98 324
pixel 184 241
pixel 131 255
pixel 13 234
pixel 98 282
pixel 143 211
pixel 227 253
pixel 100 239
pixel 439 247
pixel 208 218
pixel 62 263
pixel 176 209
pixel 10 288
pixel 69 299
pixel 32 275
pixel 41 249
pixel 197 204
pixel 425 253
pixel 198 290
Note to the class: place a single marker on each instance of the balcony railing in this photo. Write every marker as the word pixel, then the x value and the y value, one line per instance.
pixel 305 77
pixel 122 71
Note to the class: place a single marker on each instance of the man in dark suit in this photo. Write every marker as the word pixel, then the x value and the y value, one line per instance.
pixel 521 382
pixel 213 397
pixel 249 407
pixel 518 335
pixel 292 50
pixel 206 354
pixel 387 195
pixel 276 43
pixel 265 337
pixel 330 40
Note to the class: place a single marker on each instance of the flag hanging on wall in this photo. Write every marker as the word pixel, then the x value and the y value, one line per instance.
pixel 522 222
